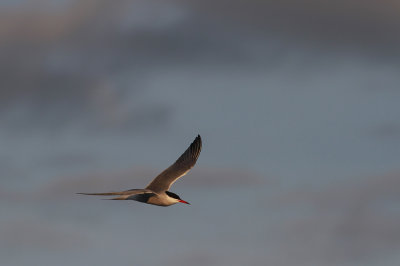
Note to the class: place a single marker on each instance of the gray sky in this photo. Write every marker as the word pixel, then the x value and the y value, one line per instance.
pixel 296 101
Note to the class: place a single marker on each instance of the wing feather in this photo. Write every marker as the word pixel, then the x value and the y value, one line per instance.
pixel 178 169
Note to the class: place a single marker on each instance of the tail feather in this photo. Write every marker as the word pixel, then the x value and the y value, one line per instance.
pixel 125 193
pixel 103 194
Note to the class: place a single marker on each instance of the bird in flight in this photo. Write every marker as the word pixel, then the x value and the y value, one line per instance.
pixel 156 192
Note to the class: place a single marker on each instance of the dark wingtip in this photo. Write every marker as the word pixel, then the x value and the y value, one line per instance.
pixel 196 145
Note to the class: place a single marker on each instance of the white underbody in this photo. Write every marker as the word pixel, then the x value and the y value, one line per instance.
pixel 162 199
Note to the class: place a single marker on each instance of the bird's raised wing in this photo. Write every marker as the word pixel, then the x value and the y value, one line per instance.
pixel 184 163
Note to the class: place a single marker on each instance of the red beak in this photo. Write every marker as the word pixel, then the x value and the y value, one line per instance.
pixel 184 202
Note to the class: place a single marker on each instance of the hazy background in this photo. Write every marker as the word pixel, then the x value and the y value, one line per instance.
pixel 297 103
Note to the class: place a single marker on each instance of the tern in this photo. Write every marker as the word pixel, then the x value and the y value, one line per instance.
pixel 156 193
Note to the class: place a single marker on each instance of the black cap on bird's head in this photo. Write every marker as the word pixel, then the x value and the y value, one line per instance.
pixel 173 195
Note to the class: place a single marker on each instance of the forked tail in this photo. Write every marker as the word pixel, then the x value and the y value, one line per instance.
pixel 123 194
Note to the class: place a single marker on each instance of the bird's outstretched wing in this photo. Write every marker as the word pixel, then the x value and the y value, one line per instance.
pixel 184 163
pixel 123 195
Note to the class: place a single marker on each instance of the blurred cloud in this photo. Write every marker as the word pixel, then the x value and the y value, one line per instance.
pixel 31 234
pixel 87 62
pixel 363 25
pixel 59 68
pixel 356 220
pixel 387 131
pixel 348 223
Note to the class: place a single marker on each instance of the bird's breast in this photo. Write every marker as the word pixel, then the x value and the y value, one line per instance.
pixel 161 200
